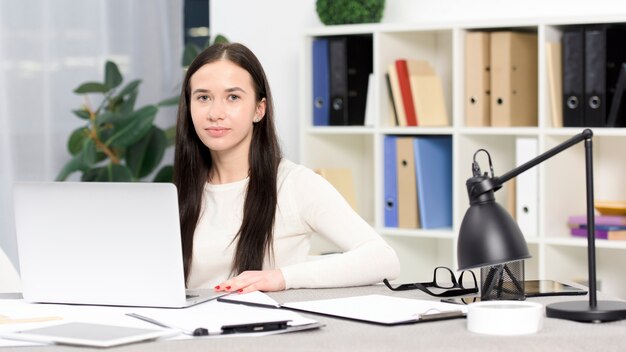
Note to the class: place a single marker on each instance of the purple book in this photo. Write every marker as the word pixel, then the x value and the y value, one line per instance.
pixel 611 220
pixel 601 234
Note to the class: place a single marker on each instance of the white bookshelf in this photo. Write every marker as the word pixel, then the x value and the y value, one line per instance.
pixel 555 254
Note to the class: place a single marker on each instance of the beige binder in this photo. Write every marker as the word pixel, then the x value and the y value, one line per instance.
pixel 341 179
pixel 477 79
pixel 407 184
pixel 427 93
pixel 429 100
pixel 513 79
pixel 555 84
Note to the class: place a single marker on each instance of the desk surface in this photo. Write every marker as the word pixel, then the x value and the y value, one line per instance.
pixel 345 335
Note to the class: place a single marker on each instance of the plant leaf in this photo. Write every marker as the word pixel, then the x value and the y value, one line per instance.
pixel 144 156
pixel 89 153
pixel 75 164
pixel 77 140
pixel 166 174
pixel 220 39
pixel 131 87
pixel 106 117
pixel 129 103
pixel 131 129
pixel 82 113
pixel 170 134
pixel 112 75
pixel 91 87
pixel 114 103
pixel 109 173
pixel 118 173
pixel 190 53
pixel 170 101
pixel 94 175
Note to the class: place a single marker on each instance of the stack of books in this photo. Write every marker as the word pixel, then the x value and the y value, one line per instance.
pixel 416 94
pixel 608 227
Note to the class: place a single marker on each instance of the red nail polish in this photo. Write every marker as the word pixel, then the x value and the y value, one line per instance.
pixel 228 287
pixel 217 287
pixel 240 290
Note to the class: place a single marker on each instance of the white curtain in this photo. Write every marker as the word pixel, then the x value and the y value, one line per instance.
pixel 50 47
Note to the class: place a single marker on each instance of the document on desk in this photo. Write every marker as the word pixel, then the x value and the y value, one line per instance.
pixel 381 309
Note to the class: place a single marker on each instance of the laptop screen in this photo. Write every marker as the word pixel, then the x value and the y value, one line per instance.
pixel 99 243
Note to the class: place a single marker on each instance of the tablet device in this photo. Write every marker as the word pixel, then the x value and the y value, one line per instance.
pixel 87 334
pixel 537 288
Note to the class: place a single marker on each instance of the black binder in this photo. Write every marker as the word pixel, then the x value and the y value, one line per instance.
pixel 573 77
pixel 351 62
pixel 605 50
pixel 616 57
pixel 595 76
pixel 338 52
pixel 617 114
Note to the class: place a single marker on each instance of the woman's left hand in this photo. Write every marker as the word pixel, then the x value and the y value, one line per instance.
pixel 248 281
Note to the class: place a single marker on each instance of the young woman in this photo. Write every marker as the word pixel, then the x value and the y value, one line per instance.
pixel 246 212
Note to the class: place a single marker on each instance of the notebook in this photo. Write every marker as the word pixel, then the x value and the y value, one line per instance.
pixel 101 243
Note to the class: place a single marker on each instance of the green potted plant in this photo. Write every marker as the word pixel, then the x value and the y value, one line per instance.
pixel 332 12
pixel 117 141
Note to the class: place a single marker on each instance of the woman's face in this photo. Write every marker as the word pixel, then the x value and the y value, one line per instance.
pixel 223 108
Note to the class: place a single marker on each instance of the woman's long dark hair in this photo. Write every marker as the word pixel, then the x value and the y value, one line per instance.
pixel 192 162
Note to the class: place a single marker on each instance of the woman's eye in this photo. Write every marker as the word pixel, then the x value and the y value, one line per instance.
pixel 233 97
pixel 203 97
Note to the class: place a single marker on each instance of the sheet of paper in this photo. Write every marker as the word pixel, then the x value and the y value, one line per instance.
pixel 376 308
pixel 255 298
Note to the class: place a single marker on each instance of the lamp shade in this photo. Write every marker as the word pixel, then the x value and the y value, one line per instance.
pixel 489 236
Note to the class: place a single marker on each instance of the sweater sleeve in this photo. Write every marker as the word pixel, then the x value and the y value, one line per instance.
pixel 365 259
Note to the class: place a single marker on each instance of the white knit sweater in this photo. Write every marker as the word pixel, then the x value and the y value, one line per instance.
pixel 307 205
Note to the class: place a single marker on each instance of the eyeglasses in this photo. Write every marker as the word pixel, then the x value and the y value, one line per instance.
pixel 443 279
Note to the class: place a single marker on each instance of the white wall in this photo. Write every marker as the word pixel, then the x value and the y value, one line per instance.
pixel 273 30
pixel 450 10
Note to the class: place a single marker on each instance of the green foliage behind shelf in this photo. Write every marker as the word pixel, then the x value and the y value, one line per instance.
pixel 333 12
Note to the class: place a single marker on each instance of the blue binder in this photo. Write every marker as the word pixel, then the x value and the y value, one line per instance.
pixel 433 171
pixel 321 82
pixel 391 182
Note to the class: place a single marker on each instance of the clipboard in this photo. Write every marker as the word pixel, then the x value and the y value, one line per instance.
pixel 376 309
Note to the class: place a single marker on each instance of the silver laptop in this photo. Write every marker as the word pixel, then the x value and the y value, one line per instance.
pixel 101 243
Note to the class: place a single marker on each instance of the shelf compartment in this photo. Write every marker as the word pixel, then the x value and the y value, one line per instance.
pixel 433 46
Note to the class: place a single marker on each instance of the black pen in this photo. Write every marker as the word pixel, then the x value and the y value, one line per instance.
pixel 255 327
pixel 226 329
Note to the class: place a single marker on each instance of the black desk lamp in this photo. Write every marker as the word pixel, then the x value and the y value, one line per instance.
pixel 489 235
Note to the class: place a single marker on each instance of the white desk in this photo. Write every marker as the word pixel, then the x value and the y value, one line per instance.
pixel 345 335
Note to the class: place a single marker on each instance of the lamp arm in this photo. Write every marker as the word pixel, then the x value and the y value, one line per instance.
pixel 584 135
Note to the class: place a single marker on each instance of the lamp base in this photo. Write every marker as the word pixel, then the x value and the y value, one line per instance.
pixel 582 311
